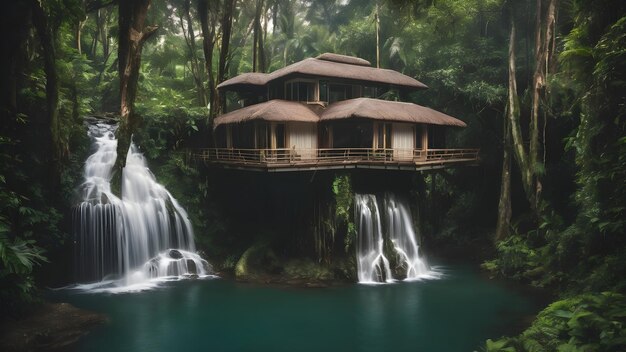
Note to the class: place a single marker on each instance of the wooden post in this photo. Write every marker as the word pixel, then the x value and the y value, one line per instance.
pixel 375 135
pixel 424 142
pixel 273 135
pixel 229 136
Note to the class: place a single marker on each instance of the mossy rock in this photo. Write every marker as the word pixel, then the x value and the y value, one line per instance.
pixel 258 259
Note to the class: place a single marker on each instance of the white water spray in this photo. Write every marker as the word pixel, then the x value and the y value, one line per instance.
pixel 142 236
pixel 404 239
pixel 372 264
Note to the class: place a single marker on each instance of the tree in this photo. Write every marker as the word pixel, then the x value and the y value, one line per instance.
pixel 40 21
pixel 226 27
pixel 258 51
pixel 132 36
pixel 208 43
pixel 504 204
pixel 190 39
pixel 528 160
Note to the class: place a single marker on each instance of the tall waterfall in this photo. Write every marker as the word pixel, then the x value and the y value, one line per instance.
pixel 372 264
pixel 403 238
pixel 144 235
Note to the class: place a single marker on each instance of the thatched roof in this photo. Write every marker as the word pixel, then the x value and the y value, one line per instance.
pixel 375 109
pixel 329 65
pixel 389 111
pixel 252 78
pixel 273 110
pixel 352 60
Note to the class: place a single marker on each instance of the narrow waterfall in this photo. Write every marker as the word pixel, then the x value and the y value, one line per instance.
pixel 144 235
pixel 372 264
pixel 403 237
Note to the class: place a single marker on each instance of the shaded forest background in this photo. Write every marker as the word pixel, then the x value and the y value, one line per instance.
pixel 540 84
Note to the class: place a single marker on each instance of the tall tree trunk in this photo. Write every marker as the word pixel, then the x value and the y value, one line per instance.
pixel 377 19
pixel 226 25
pixel 267 59
pixel 104 34
pixel 258 59
pixel 528 162
pixel 14 20
pixel 513 115
pixel 93 48
pixel 132 36
pixel 503 224
pixel 79 29
pixel 40 21
pixel 538 83
pixel 255 42
pixel 208 43
pixel 543 37
pixel 261 42
pixel 190 37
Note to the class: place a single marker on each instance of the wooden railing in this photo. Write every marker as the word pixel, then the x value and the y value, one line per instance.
pixel 332 156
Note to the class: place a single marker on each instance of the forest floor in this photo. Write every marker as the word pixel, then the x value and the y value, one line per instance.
pixel 49 327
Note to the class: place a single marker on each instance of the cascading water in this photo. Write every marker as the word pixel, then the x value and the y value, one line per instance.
pixel 372 264
pixel 404 239
pixel 144 235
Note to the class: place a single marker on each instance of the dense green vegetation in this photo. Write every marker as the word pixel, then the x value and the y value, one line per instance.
pixel 565 228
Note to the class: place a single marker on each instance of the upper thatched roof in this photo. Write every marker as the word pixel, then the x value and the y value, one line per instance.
pixel 352 60
pixel 329 65
pixel 377 109
pixel 273 110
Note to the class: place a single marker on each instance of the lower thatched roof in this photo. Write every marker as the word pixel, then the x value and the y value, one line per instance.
pixel 273 110
pixel 377 109
pixel 367 108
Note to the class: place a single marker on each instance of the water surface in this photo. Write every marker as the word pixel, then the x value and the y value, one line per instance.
pixel 454 313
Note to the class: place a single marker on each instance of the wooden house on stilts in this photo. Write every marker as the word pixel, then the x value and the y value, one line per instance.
pixel 326 113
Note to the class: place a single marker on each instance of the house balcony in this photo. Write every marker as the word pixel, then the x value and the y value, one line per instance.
pixel 280 160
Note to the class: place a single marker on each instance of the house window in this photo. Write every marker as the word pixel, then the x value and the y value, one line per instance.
pixel 243 136
pixel 339 92
pixel 280 135
pixel 323 90
pixel 221 140
pixel 262 135
pixel 370 92
pixel 436 137
pixel 350 134
pixel 300 91
pixel 419 134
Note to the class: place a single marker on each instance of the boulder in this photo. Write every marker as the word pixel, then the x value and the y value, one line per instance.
pixel 191 267
pixel 175 254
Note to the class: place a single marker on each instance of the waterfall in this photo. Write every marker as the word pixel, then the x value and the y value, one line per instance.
pixel 144 235
pixel 403 238
pixel 372 264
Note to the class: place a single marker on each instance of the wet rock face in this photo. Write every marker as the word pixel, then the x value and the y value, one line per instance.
pixel 191 267
pixel 174 254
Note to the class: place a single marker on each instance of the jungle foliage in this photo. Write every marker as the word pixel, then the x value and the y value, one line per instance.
pixel 587 322
pixel 63 63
